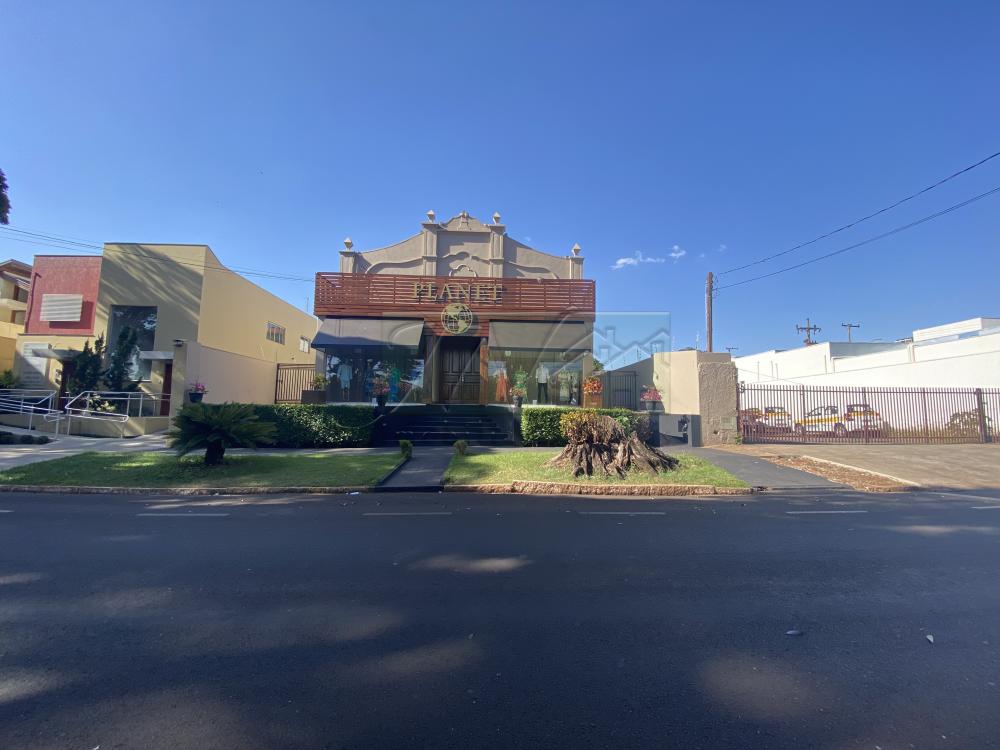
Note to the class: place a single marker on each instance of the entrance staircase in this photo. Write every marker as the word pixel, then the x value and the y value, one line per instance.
pixel 443 425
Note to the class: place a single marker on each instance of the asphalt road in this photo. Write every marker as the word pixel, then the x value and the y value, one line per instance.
pixel 499 622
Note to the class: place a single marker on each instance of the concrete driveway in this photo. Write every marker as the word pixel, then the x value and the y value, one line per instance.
pixel 964 466
pixel 71 445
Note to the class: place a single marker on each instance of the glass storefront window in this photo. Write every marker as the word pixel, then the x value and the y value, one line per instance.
pixel 354 373
pixel 547 377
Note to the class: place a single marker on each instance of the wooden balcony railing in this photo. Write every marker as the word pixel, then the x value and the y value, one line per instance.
pixel 363 294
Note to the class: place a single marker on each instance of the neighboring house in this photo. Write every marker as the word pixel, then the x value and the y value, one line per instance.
pixel 15 281
pixel 197 321
pixel 458 313
pixel 965 354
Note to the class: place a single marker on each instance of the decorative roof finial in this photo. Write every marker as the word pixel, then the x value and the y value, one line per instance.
pixel 496 217
pixel 576 249
pixel 430 216
pixel 348 243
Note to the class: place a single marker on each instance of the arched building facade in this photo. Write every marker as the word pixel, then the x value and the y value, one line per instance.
pixel 458 313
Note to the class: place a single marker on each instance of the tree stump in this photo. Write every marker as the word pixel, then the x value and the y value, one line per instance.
pixel 598 443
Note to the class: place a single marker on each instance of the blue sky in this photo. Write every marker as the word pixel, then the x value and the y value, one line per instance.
pixel 682 137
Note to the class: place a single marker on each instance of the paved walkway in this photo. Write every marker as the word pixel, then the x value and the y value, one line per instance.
pixel 962 466
pixel 71 445
pixel 758 472
pixel 424 471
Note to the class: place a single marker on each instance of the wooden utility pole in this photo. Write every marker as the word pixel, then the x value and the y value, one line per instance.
pixel 709 290
pixel 849 326
pixel 808 329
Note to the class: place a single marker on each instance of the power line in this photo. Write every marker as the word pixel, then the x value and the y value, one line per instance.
pixel 863 218
pixel 79 246
pixel 868 241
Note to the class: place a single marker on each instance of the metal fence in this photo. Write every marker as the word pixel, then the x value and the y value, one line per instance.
pixel 829 414
pixel 621 390
pixel 291 380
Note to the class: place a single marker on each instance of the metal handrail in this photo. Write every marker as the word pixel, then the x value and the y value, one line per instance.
pixel 31 402
pixel 114 406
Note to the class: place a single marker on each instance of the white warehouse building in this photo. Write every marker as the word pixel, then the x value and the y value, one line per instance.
pixel 965 354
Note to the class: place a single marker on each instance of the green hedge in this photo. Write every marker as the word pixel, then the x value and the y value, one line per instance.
pixel 320 426
pixel 540 425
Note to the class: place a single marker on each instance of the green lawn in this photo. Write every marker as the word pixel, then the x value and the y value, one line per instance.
pixel 166 470
pixel 508 466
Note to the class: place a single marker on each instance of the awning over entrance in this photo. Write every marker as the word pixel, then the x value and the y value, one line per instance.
pixel 368 332
pixel 562 337
pixel 60 355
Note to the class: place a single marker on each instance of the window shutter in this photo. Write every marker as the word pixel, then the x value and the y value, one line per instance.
pixel 61 308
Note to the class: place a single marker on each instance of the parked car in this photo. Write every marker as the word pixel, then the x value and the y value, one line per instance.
pixel 777 419
pixel 841 422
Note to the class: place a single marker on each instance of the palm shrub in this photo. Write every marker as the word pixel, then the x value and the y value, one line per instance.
pixel 215 427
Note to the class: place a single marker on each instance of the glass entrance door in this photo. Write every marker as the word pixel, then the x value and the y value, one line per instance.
pixel 459 370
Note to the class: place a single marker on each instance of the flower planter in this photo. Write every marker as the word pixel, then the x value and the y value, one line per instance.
pixel 195 398
pixel 518 400
pixel 592 400
pixel 649 405
pixel 314 397
pixel 380 400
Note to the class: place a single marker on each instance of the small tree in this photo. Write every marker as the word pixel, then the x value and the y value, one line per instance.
pixel 9 380
pixel 119 373
pixel 215 427
pixel 88 367
pixel 4 200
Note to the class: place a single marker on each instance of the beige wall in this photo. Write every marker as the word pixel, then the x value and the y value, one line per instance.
pixel 229 377
pixel 234 317
pixel 701 384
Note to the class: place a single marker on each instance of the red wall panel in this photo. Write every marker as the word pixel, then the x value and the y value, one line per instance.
pixel 64 274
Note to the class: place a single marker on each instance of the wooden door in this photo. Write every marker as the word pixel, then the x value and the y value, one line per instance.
pixel 168 384
pixel 460 371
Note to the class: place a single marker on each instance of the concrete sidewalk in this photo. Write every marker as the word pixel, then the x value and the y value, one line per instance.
pixel 72 445
pixel 971 466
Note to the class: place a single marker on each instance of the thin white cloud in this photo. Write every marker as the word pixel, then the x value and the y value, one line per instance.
pixel 721 249
pixel 702 255
pixel 675 254
pixel 636 260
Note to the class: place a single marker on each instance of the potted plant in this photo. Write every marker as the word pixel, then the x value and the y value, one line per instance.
pixel 197 392
pixel 518 393
pixel 649 397
pixel 381 390
pixel 593 387
pixel 520 388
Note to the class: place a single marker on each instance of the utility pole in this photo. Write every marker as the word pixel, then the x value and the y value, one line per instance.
pixel 849 326
pixel 709 291
pixel 808 329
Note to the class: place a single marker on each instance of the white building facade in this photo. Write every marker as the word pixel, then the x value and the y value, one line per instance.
pixel 965 354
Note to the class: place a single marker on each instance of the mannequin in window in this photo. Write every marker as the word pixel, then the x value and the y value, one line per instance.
pixel 503 386
pixel 344 374
pixel 542 378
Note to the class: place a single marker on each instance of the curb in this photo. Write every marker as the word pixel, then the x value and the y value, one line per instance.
pixel 184 491
pixel 521 487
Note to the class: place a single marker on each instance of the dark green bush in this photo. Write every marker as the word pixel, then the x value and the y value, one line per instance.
pixel 461 447
pixel 320 426
pixel 42 440
pixel 7 438
pixel 406 448
pixel 540 425
pixel 26 439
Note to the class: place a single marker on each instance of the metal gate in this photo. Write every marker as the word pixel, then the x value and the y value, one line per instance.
pixel 621 390
pixel 830 414
pixel 291 380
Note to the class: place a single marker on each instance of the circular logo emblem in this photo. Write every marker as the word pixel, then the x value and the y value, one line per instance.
pixel 456 318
